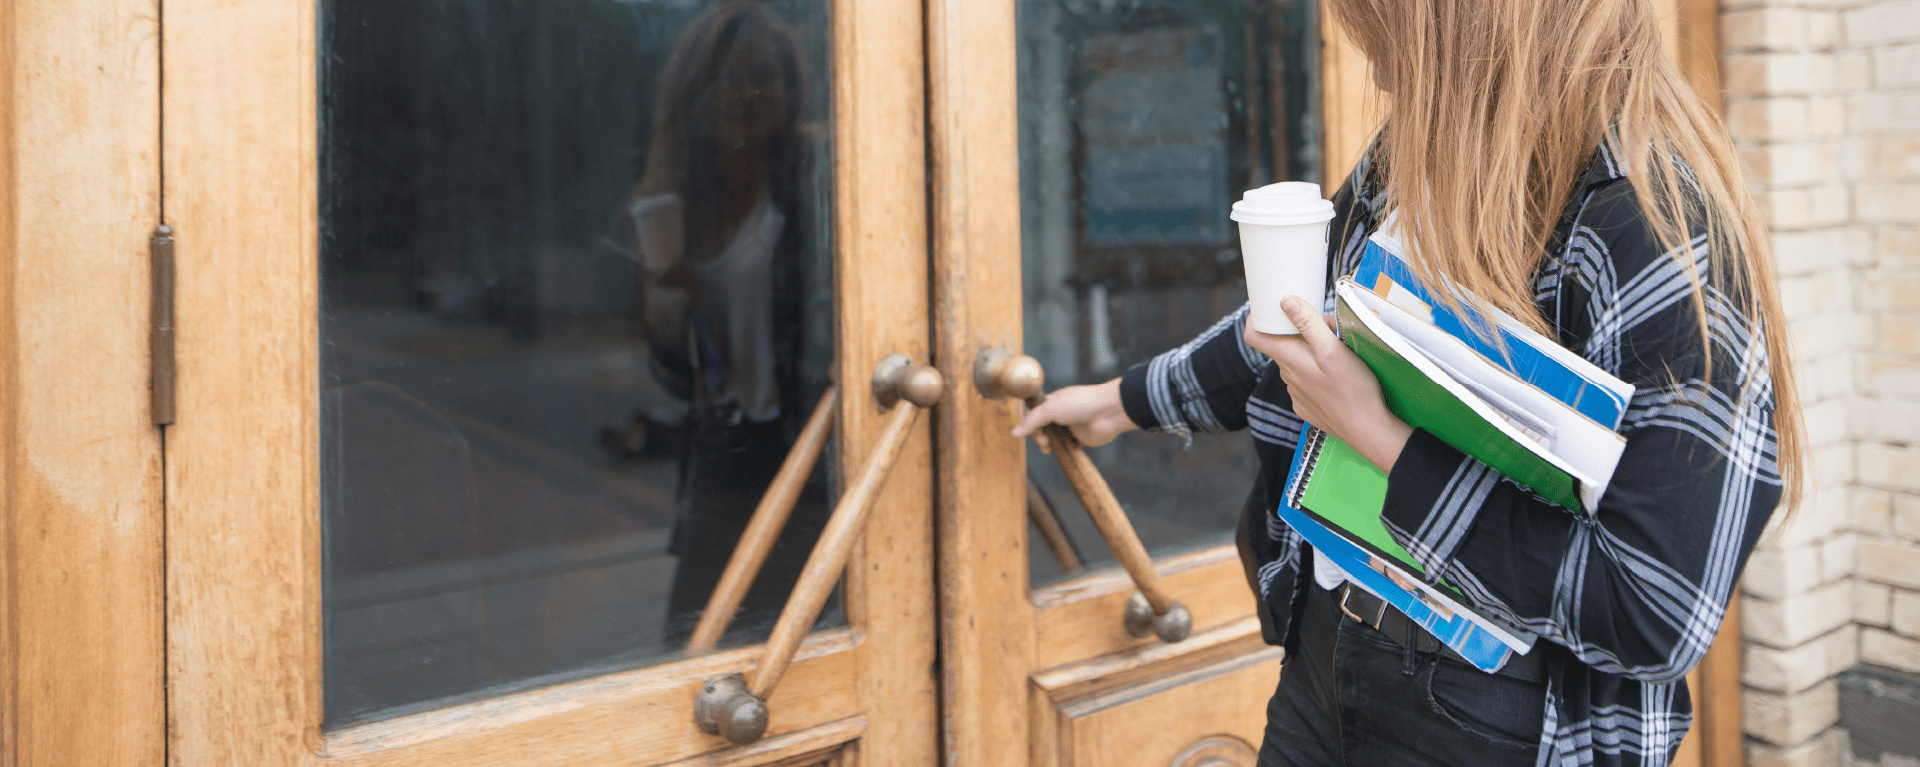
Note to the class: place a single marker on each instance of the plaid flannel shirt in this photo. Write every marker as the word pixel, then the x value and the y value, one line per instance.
pixel 1626 602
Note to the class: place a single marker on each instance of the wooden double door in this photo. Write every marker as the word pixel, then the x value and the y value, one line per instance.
pixel 493 321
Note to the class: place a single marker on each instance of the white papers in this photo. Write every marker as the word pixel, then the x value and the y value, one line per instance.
pixel 1577 445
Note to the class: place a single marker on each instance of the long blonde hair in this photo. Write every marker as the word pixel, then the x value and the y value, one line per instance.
pixel 1494 109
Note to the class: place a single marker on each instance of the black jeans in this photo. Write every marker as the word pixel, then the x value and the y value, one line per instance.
pixel 1352 696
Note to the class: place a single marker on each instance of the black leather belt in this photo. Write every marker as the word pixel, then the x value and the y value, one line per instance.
pixel 1368 610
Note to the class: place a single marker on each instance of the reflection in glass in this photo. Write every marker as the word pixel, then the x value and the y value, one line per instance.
pixel 1140 122
pixel 574 308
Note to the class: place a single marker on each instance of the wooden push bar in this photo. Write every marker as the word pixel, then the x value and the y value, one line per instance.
pixel 735 706
pixel 1153 610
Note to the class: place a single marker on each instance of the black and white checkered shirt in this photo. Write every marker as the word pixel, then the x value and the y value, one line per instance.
pixel 1626 602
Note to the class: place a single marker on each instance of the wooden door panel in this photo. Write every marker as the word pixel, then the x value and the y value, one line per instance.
pixel 1182 707
pixel 1082 618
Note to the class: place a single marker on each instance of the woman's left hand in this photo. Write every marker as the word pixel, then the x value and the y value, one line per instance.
pixel 1331 387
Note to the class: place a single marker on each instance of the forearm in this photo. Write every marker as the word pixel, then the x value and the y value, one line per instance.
pixel 1200 386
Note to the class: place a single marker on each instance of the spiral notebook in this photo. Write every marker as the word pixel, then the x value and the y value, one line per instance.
pixel 1333 499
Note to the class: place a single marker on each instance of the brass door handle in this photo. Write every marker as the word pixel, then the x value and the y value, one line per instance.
pixel 735 706
pixel 1150 611
pixel 763 529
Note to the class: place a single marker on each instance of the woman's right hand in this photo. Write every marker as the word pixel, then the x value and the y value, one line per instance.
pixel 1092 412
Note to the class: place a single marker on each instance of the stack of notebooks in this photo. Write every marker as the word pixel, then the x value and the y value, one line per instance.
pixel 1492 388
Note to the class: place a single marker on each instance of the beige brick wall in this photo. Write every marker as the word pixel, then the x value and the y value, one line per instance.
pixel 1823 100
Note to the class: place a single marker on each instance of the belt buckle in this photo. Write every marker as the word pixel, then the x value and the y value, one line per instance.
pixel 1346 592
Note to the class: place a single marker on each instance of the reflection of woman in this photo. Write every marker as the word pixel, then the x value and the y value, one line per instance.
pixel 1547 157
pixel 721 284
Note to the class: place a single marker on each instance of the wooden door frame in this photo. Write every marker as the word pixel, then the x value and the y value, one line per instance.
pixel 81 614
pixel 243 507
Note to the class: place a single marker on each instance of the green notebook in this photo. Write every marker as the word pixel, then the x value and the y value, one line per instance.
pixel 1347 492
pixel 1424 403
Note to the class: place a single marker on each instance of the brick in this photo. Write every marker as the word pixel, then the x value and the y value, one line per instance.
pixel 1823 510
pixel 1853 71
pixel 1884 420
pixel 1872 604
pixel 1889 466
pixel 1896 67
pixel 1792 621
pixel 1898 111
pixel 1891 376
pixel 1747 121
pixel 1808 207
pixel 1885 648
pixel 1744 30
pixel 1900 333
pixel 1775 28
pixel 1820 29
pixel 1800 163
pixel 1796 669
pixel 1824 750
pixel 1872 511
pixel 1897 249
pixel 1881 23
pixel 1832 204
pixel 1807 251
pixel 1792 718
pixel 1857 245
pixel 1830 375
pixel 1906 613
pixel 1833 468
pixel 1837 557
pixel 1897 156
pixel 1891 564
pixel 1906 517
pixel 1887 203
pixel 1856 158
pixel 1891 290
pixel 1783 572
pixel 1826 116
pixel 1826 422
pixel 1800 297
pixel 1775 117
pixel 1778 74
pixel 1821 333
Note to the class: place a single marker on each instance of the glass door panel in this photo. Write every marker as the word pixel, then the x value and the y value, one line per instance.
pixel 1140 123
pixel 575 295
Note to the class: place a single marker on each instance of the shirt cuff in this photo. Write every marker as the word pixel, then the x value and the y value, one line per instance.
pixel 1434 494
pixel 1134 398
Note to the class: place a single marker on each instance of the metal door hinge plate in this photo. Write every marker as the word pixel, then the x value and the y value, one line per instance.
pixel 160 339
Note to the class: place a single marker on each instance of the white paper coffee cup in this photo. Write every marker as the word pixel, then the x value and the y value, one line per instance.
pixel 1283 245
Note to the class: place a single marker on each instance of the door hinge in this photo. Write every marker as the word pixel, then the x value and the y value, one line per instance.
pixel 160 339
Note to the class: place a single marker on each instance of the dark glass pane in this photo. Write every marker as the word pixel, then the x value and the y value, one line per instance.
pixel 575 304
pixel 1141 121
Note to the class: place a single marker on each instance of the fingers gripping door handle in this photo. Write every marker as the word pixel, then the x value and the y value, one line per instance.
pixel 1152 610
pixel 735 706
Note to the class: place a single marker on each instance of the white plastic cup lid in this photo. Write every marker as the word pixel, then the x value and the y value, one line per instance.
pixel 1288 203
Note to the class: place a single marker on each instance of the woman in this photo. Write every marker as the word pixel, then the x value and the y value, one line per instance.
pixel 721 291
pixel 1546 157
